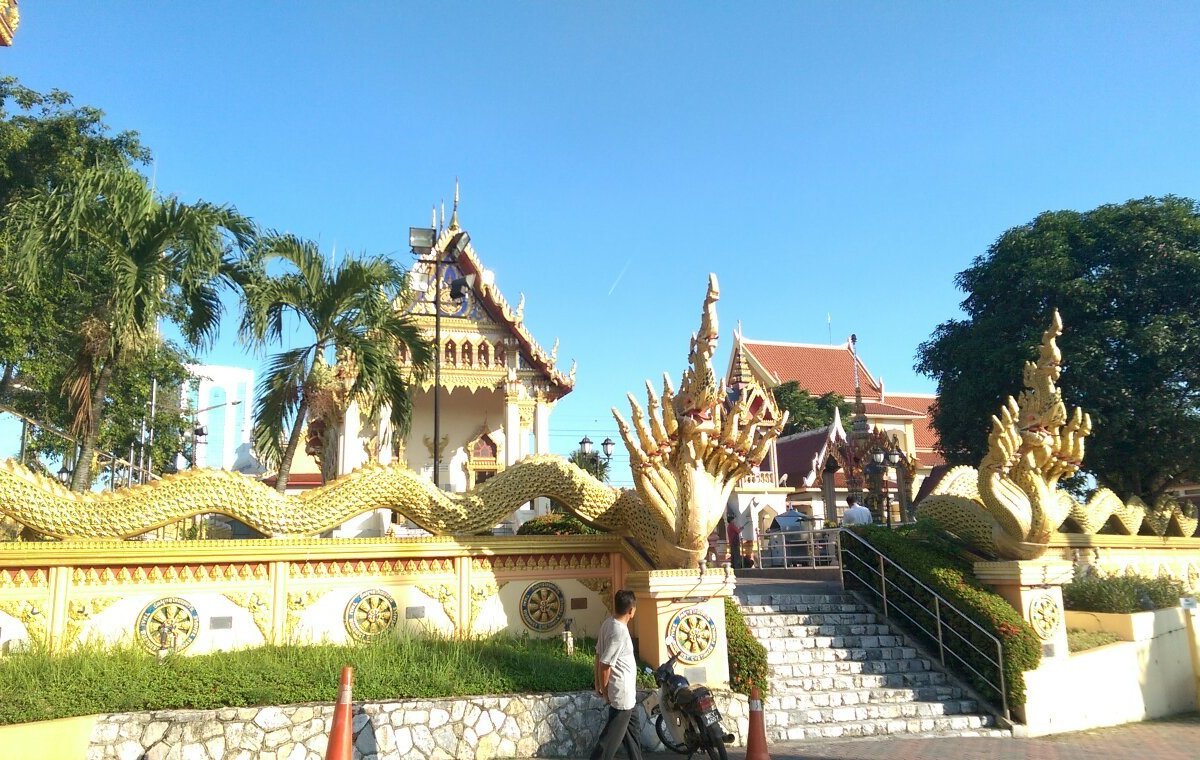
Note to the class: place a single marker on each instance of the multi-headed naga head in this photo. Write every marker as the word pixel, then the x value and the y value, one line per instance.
pixel 688 450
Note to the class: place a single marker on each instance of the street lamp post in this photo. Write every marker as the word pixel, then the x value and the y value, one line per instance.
pixel 200 432
pixel 423 241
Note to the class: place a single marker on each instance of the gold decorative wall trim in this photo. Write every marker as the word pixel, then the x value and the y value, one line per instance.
pixel 140 575
pixel 31 613
pixel 259 608
pixel 31 578
pixel 520 563
pixel 80 611
pixel 601 587
pixel 445 595
pixel 359 568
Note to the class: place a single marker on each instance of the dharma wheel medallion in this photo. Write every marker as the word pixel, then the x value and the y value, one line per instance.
pixel 170 624
pixel 542 606
pixel 370 614
pixel 693 633
pixel 1044 616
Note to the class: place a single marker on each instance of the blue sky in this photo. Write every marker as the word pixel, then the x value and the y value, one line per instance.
pixel 822 158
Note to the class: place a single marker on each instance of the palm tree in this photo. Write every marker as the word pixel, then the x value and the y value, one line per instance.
pixel 139 258
pixel 350 308
pixel 590 462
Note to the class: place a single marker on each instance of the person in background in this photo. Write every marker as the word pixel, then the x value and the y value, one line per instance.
pixel 734 537
pixel 856 514
pixel 616 681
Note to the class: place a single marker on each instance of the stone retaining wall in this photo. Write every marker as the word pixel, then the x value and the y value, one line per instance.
pixel 472 728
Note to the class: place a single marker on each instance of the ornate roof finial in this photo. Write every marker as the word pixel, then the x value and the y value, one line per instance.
pixel 433 216
pixel 443 225
pixel 454 212
pixel 859 426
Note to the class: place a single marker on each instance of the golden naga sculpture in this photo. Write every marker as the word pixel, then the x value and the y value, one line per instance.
pixel 1011 505
pixel 686 462
pixel 688 450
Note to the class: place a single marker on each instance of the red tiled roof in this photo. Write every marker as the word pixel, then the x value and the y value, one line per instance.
pixel 879 409
pixel 817 369
pixel 926 436
pixel 798 454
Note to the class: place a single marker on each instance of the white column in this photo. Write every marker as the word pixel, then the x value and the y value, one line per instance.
pixel 512 431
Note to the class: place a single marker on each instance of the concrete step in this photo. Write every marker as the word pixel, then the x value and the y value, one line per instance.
pixel 958 725
pixel 765 632
pixel 799 685
pixel 790 700
pixel 807 716
pixel 773 600
pixel 839 654
pixel 842 606
pixel 872 667
pixel 775 620
pixel 796 643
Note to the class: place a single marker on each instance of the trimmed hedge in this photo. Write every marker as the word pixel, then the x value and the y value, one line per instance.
pixel 747 655
pixel 921 551
pixel 556 524
pixel 1122 594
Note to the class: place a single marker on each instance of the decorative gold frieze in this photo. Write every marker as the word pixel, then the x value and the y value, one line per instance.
pixel 526 562
pixel 258 606
pixel 297 603
pixel 481 592
pixel 601 587
pixel 139 575
pixel 334 569
pixel 31 613
pixel 35 577
pixel 445 595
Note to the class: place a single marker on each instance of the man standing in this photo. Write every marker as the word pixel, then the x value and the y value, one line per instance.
pixel 616 681
pixel 856 514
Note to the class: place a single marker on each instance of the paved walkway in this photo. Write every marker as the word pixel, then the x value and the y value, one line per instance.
pixel 1171 739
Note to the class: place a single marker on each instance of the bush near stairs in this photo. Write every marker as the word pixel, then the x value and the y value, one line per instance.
pixel 747 656
pixel 934 562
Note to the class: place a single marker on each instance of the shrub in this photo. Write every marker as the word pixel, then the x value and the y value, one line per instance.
pixel 1081 641
pixel 1122 594
pixel 921 551
pixel 35 685
pixel 557 524
pixel 747 656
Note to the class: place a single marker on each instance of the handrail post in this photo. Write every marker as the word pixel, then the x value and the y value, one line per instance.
pixel 883 584
pixel 937 613
pixel 1003 686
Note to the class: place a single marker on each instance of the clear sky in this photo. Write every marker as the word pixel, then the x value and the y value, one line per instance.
pixel 824 159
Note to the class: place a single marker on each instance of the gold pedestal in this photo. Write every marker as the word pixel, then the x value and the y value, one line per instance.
pixel 687 608
pixel 1034 588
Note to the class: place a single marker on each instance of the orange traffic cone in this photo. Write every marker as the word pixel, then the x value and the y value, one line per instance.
pixel 341 733
pixel 756 733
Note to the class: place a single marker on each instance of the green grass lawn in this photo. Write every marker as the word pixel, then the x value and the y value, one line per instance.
pixel 37 686
pixel 1080 641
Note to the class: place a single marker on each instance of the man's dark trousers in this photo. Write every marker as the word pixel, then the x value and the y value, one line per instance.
pixel 620 729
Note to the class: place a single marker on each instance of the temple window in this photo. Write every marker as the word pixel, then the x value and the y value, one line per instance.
pixel 451 356
pixel 501 355
pixel 483 354
pixel 467 355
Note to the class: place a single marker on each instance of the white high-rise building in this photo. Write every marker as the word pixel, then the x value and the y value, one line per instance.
pixel 221 400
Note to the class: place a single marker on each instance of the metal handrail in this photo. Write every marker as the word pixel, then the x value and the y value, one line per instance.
pixel 941 610
pixel 103 455
pixel 813 549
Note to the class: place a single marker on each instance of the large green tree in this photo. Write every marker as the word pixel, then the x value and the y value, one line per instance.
pixel 152 258
pixel 350 308
pixel 590 462
pixel 1126 279
pixel 806 411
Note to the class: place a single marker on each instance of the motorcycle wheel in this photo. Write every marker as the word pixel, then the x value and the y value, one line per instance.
pixel 716 745
pixel 664 736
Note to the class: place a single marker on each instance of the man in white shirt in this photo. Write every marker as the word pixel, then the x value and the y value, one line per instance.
pixel 616 680
pixel 856 514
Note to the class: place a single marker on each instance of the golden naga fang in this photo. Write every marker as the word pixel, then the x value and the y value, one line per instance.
pixel 1012 505
pixel 686 462
pixel 688 450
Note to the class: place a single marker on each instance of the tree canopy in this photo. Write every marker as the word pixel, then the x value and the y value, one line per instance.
pixel 806 411
pixel 590 462
pixel 1126 279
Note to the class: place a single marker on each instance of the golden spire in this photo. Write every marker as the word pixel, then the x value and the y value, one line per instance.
pixel 443 214
pixel 454 213
pixel 741 374
pixel 433 216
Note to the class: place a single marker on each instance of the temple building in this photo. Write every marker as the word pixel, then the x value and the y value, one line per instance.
pixel 816 468
pixel 498 386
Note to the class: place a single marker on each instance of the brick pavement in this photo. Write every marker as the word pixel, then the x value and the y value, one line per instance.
pixel 1170 739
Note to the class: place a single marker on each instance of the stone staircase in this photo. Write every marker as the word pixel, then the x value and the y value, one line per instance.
pixel 838 670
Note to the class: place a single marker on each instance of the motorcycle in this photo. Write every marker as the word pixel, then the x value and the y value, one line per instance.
pixel 685 716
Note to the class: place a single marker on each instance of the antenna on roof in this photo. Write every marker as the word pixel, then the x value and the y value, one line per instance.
pixel 454 213
pixel 829 324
